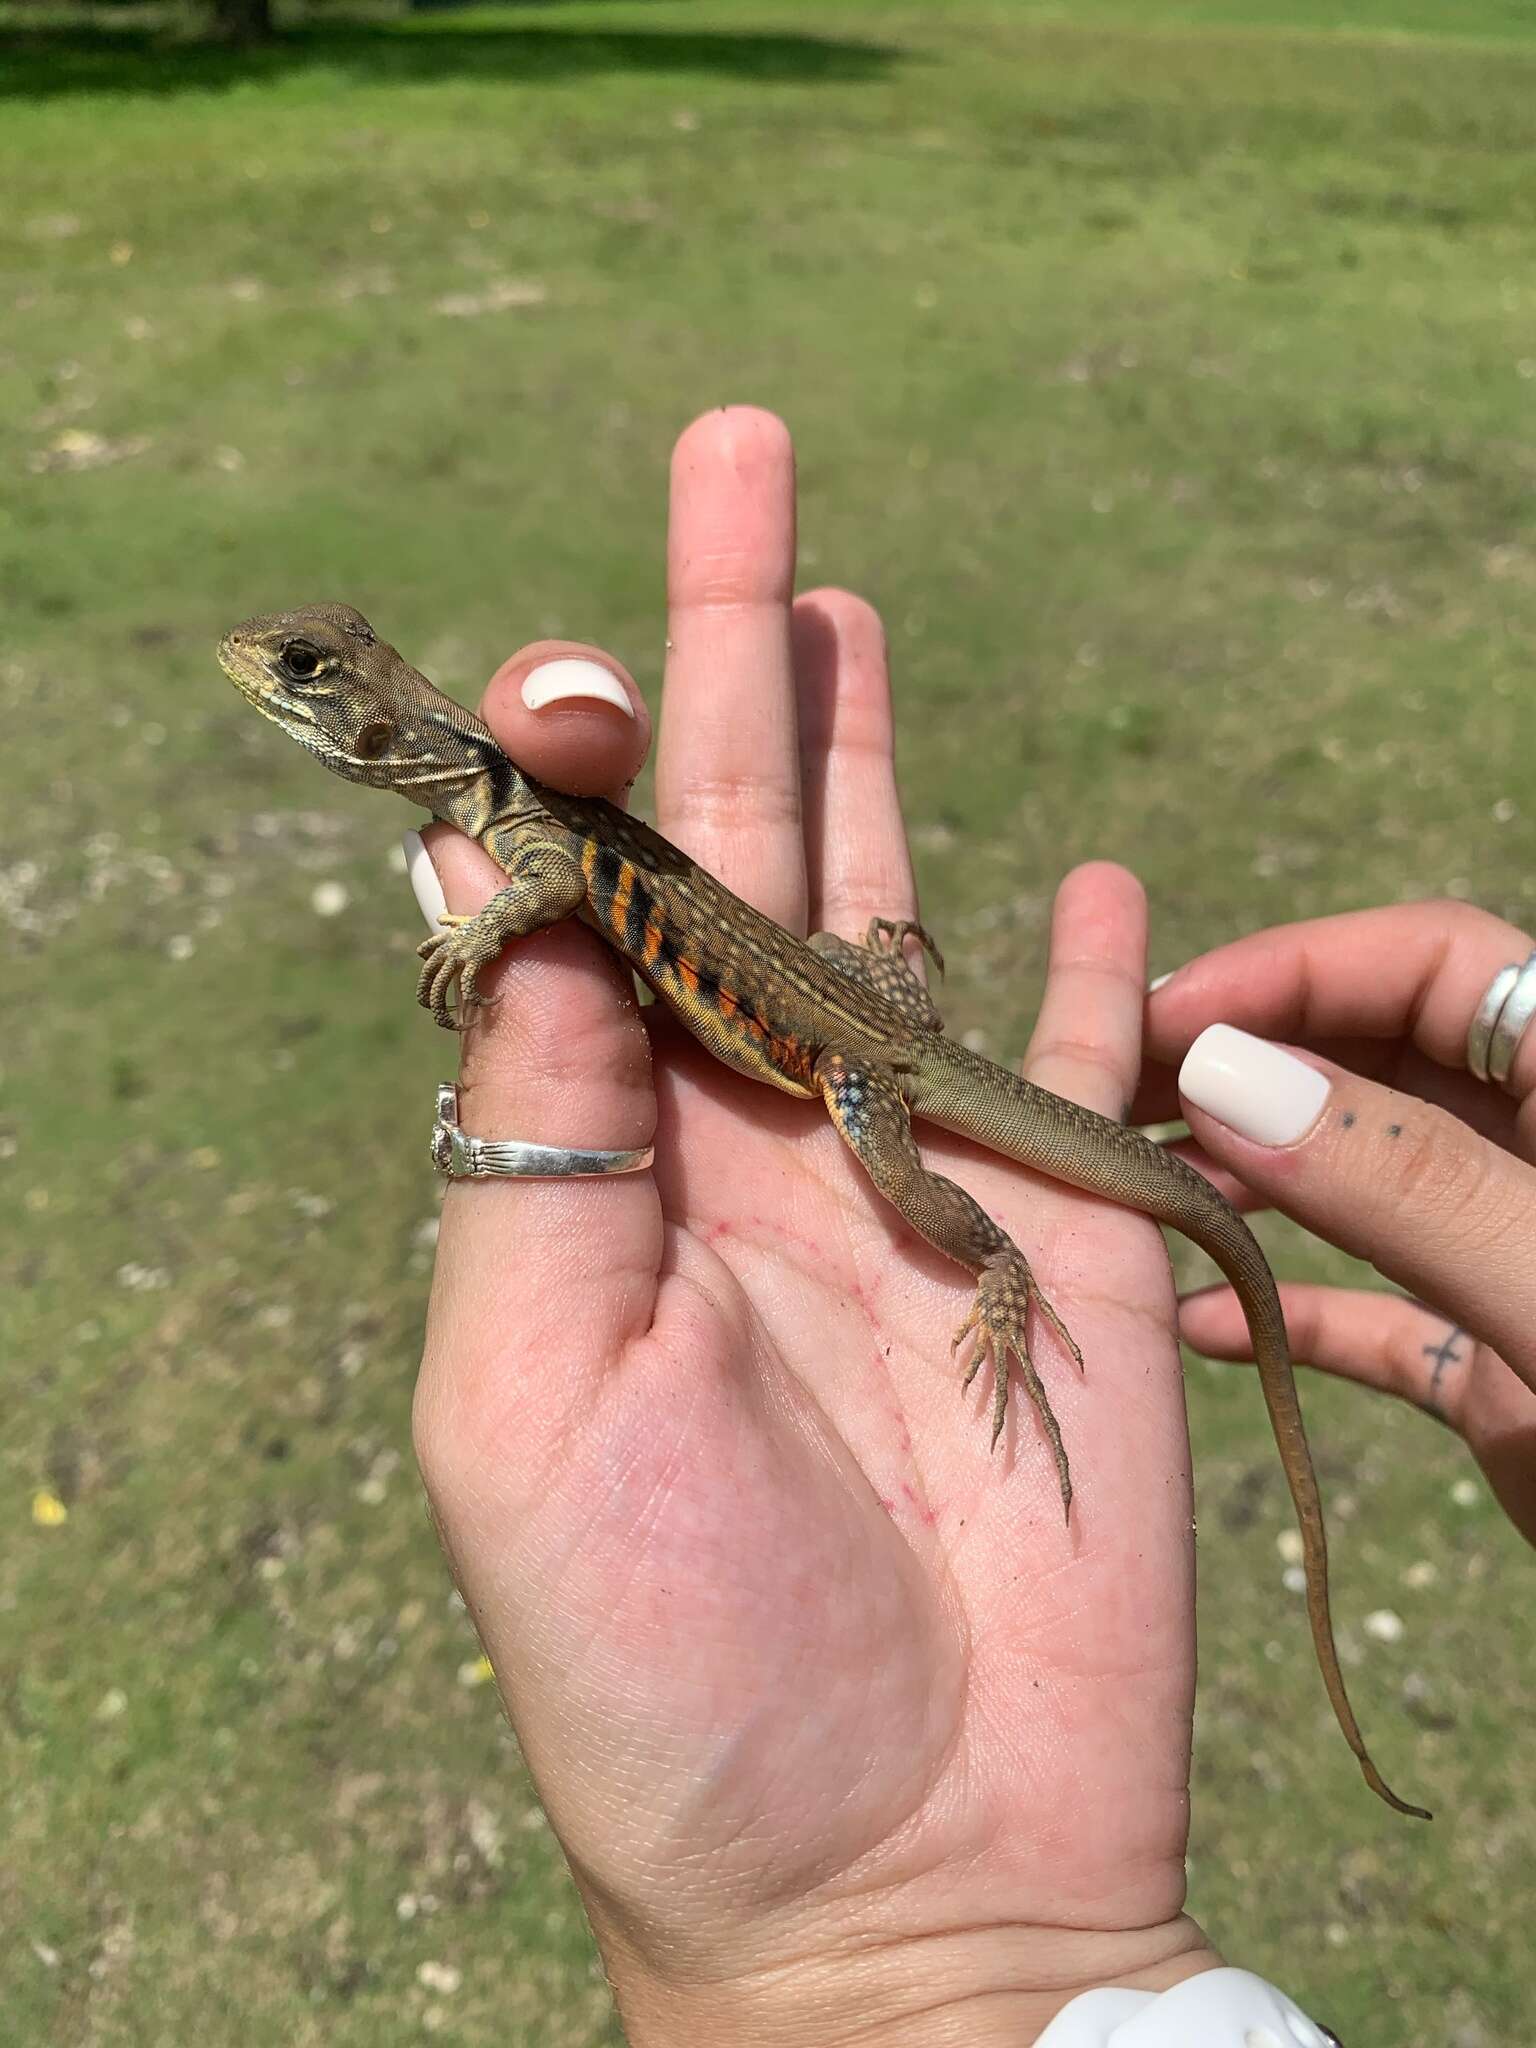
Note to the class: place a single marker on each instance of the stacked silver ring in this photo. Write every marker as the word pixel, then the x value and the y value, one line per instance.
pixel 1499 1025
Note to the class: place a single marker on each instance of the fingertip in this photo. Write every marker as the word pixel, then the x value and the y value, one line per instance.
pixel 743 435
pixel 1087 1037
pixel 1105 880
pixel 1211 1321
pixel 571 716
pixel 426 885
pixel 731 535
pixel 1260 1090
pixel 1100 914
pixel 841 671
pixel 464 874
pixel 572 678
pixel 851 617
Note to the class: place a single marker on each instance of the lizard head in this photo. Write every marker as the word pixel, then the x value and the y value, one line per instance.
pixel 309 672
pixel 325 677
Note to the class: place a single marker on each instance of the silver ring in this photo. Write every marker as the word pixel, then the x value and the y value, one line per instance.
pixel 457 1156
pixel 1500 1021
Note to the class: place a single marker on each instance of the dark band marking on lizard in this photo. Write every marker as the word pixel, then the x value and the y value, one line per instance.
pixel 801 1016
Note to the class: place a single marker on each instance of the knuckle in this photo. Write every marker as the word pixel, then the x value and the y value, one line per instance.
pixel 728 580
pixel 1079 1068
pixel 1444 1176
pixel 858 885
pixel 1100 967
pixel 727 797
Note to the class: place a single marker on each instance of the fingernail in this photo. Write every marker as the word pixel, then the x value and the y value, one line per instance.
pixel 428 889
pixel 554 682
pixel 1261 1091
pixel 1160 981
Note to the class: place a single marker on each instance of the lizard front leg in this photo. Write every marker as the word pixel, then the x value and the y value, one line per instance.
pixel 543 885
pixel 871 1115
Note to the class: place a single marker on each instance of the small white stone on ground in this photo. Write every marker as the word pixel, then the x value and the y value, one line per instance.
pixel 330 899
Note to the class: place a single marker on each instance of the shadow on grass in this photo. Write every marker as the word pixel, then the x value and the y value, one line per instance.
pixel 46 62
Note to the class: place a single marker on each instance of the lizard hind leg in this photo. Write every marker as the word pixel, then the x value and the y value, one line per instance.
pixel 866 1104
pixel 881 963
pixel 888 936
pixel 1006 1289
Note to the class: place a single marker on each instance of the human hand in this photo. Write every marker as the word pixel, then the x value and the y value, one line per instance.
pixel 1410 1162
pixel 844 1733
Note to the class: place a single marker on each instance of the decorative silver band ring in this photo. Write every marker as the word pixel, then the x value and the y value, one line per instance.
pixel 1500 1022
pixel 457 1156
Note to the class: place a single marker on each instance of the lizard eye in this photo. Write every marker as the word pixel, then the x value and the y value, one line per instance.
pixel 299 661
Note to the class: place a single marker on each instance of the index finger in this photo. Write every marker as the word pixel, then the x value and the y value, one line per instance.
pixel 1412 973
pixel 728 768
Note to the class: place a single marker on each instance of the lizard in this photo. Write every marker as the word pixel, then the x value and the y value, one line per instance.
pixel 823 1017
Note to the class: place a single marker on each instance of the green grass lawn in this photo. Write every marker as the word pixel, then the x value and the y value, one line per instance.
pixel 1168 373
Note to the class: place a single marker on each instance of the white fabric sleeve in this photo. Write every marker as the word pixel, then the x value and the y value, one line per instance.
pixel 1218 2009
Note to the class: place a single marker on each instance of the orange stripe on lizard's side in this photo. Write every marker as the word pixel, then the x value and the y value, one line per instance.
pixel 618 909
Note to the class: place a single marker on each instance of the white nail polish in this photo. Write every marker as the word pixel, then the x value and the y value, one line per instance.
pixel 428 889
pixel 1261 1091
pixel 554 682
pixel 1160 981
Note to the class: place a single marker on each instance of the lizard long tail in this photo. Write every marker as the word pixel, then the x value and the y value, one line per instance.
pixel 972 1096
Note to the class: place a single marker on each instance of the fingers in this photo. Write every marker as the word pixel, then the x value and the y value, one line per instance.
pixel 728 771
pixel 1087 1037
pixel 1397 1346
pixel 1403 1348
pixel 562 1273
pixel 1392 1179
pixel 776 763
pixel 857 864
pixel 1390 992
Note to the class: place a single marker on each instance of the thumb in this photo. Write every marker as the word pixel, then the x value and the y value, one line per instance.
pixel 1434 1207
pixel 539 1284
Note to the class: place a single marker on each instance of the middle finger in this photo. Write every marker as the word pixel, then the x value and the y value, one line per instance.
pixel 728 769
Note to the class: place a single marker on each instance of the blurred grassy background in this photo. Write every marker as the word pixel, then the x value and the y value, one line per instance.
pixel 1167 373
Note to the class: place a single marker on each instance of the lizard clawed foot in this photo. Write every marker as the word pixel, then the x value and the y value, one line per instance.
pixel 452 959
pixel 888 936
pixel 1000 1318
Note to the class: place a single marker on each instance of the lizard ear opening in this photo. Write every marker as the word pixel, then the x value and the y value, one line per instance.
pixel 376 737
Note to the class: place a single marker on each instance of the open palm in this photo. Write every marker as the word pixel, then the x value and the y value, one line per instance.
pixel 841 1727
